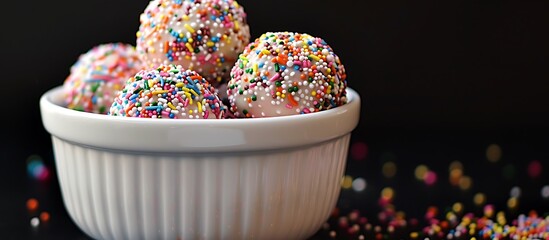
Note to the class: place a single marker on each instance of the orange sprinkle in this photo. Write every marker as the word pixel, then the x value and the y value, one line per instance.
pixel 303 77
pixel 196 77
pixel 129 108
pixel 44 216
pixel 282 59
pixel 292 100
pixel 166 47
pixel 32 204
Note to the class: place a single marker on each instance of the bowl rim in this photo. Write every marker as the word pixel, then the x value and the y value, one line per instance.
pixel 196 135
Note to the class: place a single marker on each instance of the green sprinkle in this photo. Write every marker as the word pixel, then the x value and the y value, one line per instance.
pixel 136 91
pixel 94 87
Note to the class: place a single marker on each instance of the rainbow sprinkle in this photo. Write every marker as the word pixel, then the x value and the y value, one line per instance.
pixel 168 92
pixel 286 73
pixel 205 36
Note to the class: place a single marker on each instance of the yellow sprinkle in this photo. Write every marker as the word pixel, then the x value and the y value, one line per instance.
pixel 171 106
pixel 414 235
pixel 181 35
pixel 255 68
pixel 236 26
pixel 347 182
pixel 151 83
pixel 190 111
pixel 159 92
pixel 188 45
pixel 283 96
pixel 210 44
pixel 313 93
pixel 179 84
pixel 186 17
pixel 243 58
pixel 188 27
pixel 188 95
pixel 265 51
pixel 193 92
pixel 199 106
pixel 184 88
pixel 278 93
pixel 190 40
pixel 314 57
pixel 138 34
pixel 328 70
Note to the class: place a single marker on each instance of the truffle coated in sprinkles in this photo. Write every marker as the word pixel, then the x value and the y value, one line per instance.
pixel 201 35
pixel 168 92
pixel 98 74
pixel 286 73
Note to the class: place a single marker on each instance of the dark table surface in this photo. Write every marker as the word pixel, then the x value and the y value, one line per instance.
pixel 384 193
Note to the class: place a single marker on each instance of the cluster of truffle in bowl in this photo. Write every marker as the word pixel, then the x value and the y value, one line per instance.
pixel 196 60
pixel 272 171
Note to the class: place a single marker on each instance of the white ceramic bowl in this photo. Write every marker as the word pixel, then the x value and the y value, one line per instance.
pixel 263 178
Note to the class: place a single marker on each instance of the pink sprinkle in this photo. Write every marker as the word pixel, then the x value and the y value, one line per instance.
pixel 206 114
pixel 430 178
pixel 288 106
pixel 179 98
pixel 275 77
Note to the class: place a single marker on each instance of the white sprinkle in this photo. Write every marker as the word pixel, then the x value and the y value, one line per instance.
pixel 35 222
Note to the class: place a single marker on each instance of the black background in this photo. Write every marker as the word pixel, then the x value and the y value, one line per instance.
pixel 439 81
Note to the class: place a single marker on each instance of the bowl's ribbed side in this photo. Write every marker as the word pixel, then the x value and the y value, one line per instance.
pixel 253 195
